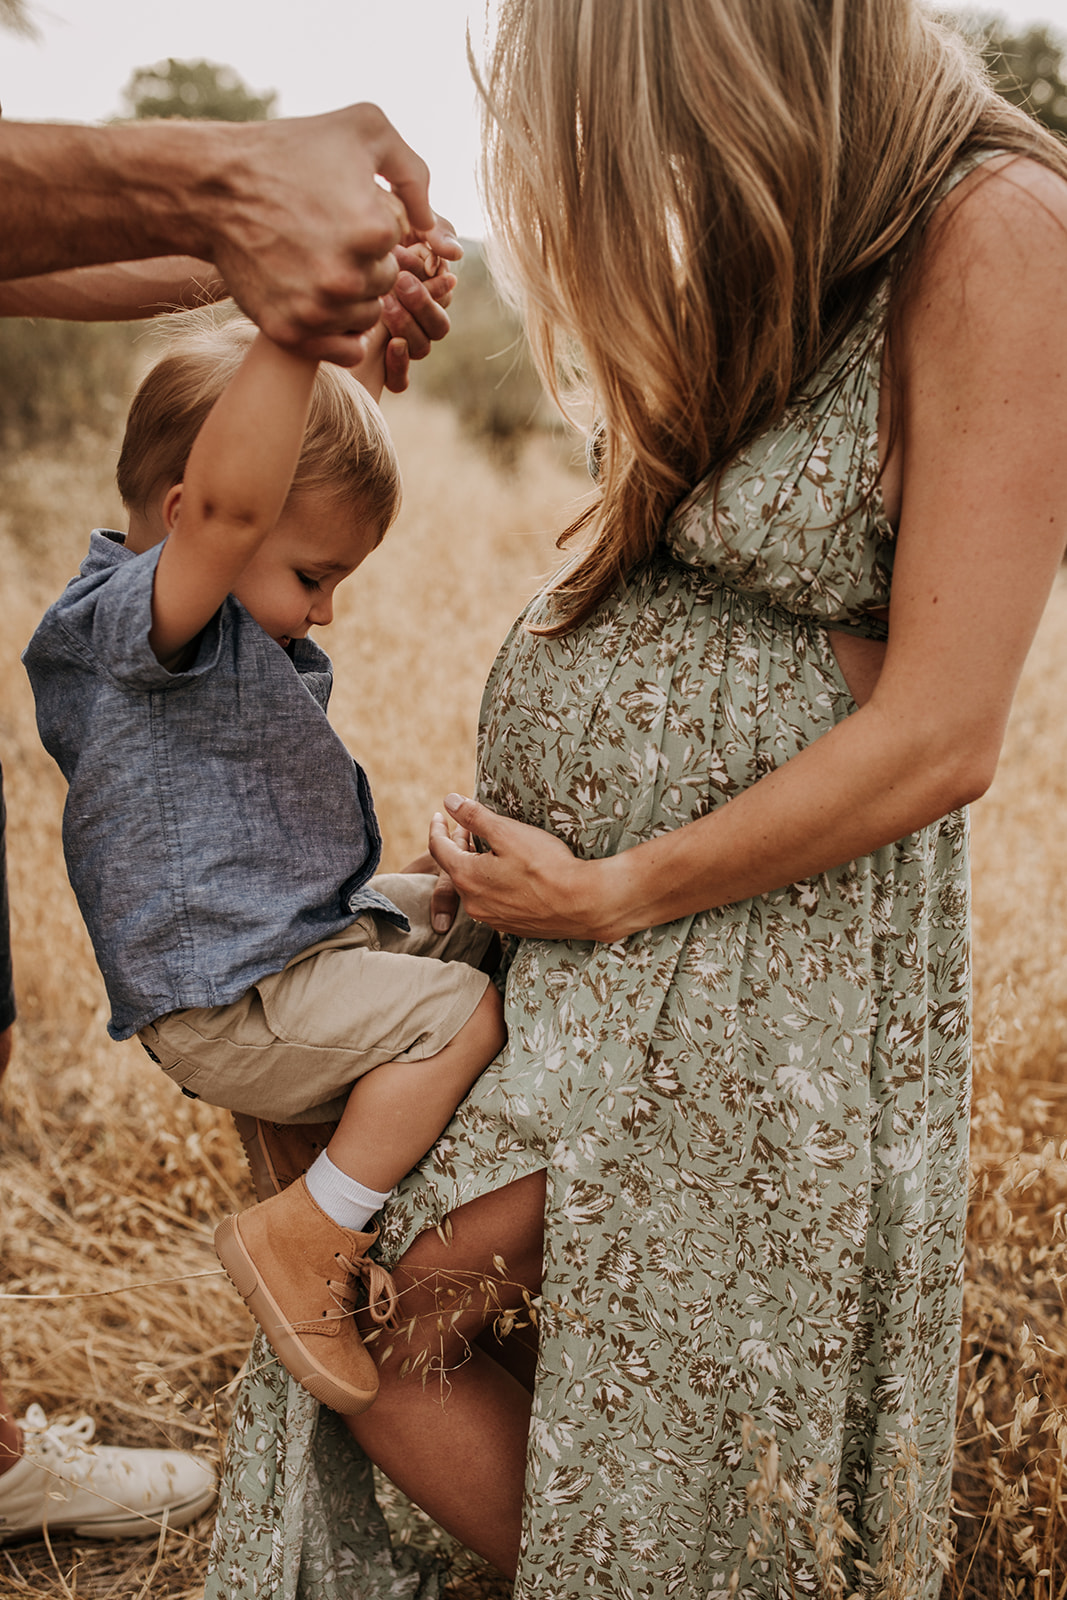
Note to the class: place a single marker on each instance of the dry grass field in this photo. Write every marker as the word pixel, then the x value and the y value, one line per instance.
pixel 109 1179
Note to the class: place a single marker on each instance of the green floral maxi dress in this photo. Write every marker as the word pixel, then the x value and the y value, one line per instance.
pixel 753 1120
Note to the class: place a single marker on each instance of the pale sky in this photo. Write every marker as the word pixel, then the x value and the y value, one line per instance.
pixel 407 55
pixel 1019 12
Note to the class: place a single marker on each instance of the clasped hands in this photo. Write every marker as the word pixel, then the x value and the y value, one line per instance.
pixel 413 313
pixel 318 250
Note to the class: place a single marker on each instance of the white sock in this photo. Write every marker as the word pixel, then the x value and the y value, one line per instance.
pixel 343 1198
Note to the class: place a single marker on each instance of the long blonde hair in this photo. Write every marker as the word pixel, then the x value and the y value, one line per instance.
pixel 692 201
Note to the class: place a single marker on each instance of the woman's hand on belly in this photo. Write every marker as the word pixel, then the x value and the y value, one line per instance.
pixel 527 883
pixel 982 525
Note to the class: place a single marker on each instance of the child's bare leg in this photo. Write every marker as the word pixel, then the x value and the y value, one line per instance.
pixel 396 1112
pixel 456 1444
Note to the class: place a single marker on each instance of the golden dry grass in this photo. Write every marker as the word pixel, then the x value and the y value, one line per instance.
pixel 110 1178
pixel 1009 1483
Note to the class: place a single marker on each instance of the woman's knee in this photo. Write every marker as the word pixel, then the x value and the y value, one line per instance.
pixel 506 1223
pixel 480 1269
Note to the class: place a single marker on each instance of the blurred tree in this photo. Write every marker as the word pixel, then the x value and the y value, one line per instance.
pixel 194 89
pixel 1028 70
pixel 1026 63
pixel 15 17
pixel 484 369
pixel 57 377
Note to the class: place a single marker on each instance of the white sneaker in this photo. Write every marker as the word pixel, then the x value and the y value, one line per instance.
pixel 97 1491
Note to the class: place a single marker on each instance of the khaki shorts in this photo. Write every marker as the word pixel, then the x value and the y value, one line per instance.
pixel 291 1048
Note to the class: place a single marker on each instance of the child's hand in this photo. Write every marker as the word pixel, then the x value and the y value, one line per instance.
pixel 414 310
pixel 413 313
pixel 371 368
pixel 444 901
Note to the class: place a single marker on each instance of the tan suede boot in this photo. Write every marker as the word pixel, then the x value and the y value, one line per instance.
pixel 280 1152
pixel 296 1270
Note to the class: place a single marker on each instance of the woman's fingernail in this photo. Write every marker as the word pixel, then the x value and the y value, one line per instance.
pixel 454 801
pixel 441 923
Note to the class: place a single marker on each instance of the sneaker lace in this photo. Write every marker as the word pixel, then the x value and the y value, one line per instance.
pixel 55 1443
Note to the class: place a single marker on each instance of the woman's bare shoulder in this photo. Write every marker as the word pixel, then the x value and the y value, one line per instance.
pixel 1009 202
pixel 993 262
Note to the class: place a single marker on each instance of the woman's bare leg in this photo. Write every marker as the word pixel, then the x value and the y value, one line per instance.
pixel 456 1443
pixel 516 1352
pixel 10 1437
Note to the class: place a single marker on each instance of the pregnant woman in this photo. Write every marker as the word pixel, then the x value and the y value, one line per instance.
pixel 814 276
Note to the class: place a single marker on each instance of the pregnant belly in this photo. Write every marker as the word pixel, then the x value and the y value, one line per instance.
pixel 680 697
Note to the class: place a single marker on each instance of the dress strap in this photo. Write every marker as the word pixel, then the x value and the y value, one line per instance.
pixel 963 169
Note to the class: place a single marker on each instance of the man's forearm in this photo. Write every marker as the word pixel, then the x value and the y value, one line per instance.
pixel 114 292
pixel 74 196
pixel 290 212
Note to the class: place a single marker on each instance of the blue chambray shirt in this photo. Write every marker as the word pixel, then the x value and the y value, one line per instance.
pixel 215 824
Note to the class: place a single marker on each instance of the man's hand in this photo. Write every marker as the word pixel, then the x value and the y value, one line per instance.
pixel 291 213
pixel 305 236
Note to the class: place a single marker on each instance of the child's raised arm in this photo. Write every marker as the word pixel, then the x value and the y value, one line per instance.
pixel 235 486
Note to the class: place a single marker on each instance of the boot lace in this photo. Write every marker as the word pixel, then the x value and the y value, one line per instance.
pixel 381 1290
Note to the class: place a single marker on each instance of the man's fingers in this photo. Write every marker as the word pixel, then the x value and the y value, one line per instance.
pixel 393 159
pixel 360 284
pixel 409 178
pixel 396 210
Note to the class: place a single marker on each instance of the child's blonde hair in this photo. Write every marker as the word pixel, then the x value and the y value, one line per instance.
pixel 347 450
pixel 695 200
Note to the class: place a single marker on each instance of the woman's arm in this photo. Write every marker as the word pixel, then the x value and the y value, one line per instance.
pixel 983 362
pixel 236 483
